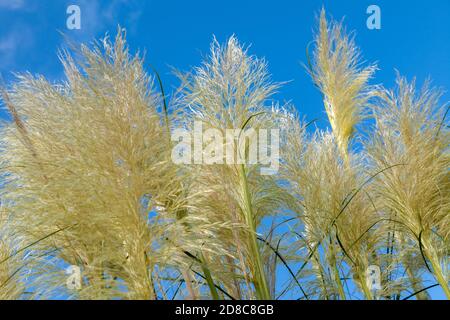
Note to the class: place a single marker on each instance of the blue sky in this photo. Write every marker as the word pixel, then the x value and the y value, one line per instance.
pixel 414 36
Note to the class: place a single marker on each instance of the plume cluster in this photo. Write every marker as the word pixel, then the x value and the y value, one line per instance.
pixel 93 205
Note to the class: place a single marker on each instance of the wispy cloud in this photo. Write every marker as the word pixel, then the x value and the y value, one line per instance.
pixel 13 44
pixel 98 16
pixel 12 4
pixel 22 36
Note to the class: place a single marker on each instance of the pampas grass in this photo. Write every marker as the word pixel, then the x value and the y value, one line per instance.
pixel 88 182
pixel 336 70
pixel 409 131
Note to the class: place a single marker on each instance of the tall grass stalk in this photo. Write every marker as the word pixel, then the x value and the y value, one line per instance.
pixel 260 280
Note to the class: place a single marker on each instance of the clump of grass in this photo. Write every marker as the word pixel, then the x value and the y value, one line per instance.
pixel 88 181
pixel 231 90
pixel 410 131
pixel 81 157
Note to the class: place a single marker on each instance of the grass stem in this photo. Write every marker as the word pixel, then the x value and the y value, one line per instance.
pixel 258 275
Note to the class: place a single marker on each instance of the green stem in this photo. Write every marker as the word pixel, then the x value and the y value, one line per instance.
pixel 259 279
pixel 412 272
pixel 438 274
pixel 316 265
pixel 437 270
pixel 337 277
pixel 365 289
pixel 209 279
pixel 338 282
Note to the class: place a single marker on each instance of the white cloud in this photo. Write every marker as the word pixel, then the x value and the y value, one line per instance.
pixel 96 18
pixel 17 39
pixel 12 4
